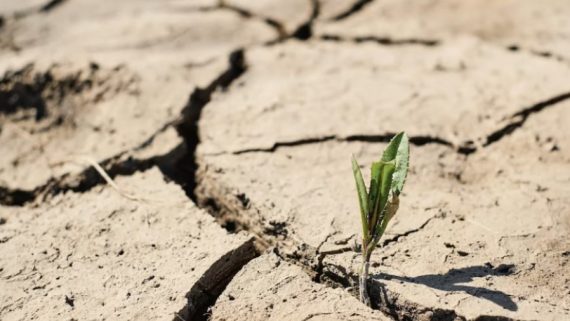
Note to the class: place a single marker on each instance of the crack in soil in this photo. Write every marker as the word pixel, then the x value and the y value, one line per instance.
pixel 89 178
pixel 385 41
pixel 206 290
pixel 305 31
pixel 51 5
pixel 277 145
pixel 119 164
pixel 219 201
pixel 210 194
pixel 417 140
pixel 122 164
pixel 396 237
pixel 45 8
pixel 222 204
pixel 247 14
pixel 273 23
pixel 520 117
pixel 204 293
pixel 213 197
pixel 539 53
pixel 182 170
pixel 392 304
pixel 187 126
pixel 15 197
pixel 355 8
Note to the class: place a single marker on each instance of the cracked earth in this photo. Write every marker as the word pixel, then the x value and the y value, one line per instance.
pixel 190 160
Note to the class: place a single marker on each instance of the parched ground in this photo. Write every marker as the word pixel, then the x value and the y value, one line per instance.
pixel 226 129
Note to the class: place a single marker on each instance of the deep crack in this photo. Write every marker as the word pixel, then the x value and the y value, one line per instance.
pixel 204 293
pixel 225 206
pixel 187 126
pixel 312 262
pixel 120 164
pixel 90 177
pixel 15 197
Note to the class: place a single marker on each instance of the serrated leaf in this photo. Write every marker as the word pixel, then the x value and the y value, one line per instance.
pixel 398 150
pixel 362 197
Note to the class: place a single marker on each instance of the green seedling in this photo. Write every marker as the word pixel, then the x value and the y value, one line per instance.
pixel 380 203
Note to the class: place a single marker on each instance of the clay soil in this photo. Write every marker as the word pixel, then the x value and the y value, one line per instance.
pixel 190 160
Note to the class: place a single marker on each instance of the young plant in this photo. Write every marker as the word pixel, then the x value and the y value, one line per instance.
pixel 379 204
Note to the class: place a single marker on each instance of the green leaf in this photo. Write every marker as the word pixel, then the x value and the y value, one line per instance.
pixel 389 213
pixel 374 188
pixel 398 150
pixel 387 178
pixel 362 197
pixel 386 170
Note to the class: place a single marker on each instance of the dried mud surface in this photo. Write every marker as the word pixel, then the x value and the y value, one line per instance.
pixel 226 129
pixel 95 256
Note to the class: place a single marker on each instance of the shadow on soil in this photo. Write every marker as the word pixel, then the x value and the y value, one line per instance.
pixel 451 280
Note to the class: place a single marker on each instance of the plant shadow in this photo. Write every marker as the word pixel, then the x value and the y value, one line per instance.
pixel 451 280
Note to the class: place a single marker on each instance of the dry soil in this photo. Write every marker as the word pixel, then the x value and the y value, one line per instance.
pixel 226 130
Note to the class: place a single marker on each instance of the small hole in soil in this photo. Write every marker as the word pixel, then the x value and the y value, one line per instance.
pixel 304 32
pixel 230 226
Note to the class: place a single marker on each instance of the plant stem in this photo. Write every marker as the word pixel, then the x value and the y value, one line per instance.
pixel 363 279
